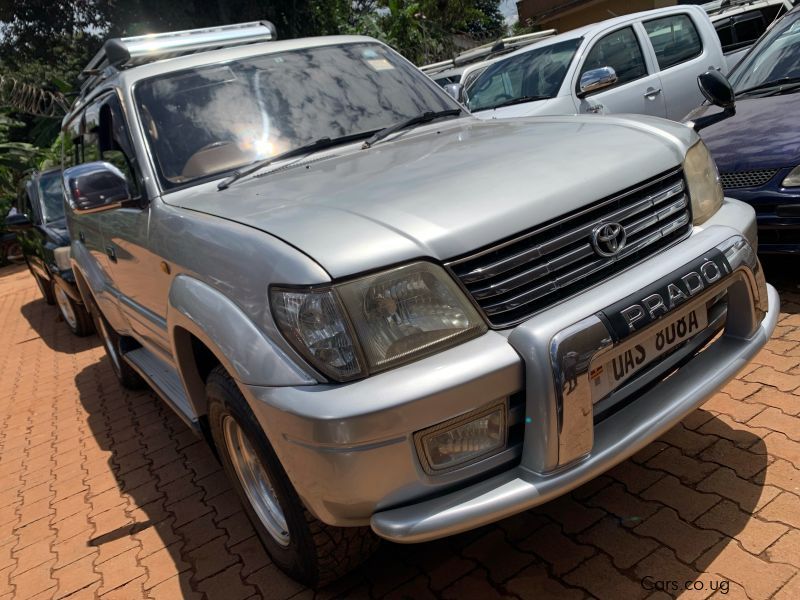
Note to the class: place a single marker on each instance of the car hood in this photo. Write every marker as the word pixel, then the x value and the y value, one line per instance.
pixel 445 189
pixel 763 134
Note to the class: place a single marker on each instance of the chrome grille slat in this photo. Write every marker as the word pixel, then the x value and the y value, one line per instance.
pixel 533 274
pixel 515 279
pixel 560 241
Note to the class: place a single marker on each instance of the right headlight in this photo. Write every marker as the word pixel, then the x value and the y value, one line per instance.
pixel 793 178
pixel 705 188
pixel 376 322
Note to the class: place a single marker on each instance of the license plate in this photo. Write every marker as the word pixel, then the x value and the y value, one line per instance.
pixel 611 370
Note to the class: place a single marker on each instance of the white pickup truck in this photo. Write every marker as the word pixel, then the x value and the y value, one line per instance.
pixel 645 63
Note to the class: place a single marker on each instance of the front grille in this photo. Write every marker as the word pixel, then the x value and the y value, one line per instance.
pixel 746 179
pixel 519 277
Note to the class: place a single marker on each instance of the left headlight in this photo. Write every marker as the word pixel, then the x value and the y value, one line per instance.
pixel 396 316
pixel 702 177
pixel 61 256
pixel 793 178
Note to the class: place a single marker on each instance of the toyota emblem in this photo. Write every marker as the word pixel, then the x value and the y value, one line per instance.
pixel 608 239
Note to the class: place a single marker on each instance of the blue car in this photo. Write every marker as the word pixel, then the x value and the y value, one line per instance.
pixel 757 150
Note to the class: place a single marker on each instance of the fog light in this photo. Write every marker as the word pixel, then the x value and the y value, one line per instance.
pixel 463 439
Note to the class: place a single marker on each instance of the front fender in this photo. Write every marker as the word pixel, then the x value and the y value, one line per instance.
pixel 252 358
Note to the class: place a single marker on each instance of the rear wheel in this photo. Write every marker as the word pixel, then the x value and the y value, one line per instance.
pixel 75 315
pixel 112 342
pixel 14 253
pixel 307 549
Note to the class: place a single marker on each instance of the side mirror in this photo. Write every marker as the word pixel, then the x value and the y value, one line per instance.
pixel 96 186
pixel 716 88
pixel 18 222
pixel 597 79
pixel 455 91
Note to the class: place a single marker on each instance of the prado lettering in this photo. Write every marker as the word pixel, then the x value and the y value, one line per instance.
pixel 654 305
pixel 633 314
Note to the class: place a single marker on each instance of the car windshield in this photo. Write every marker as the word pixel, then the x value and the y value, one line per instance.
pixel 207 121
pixel 536 73
pixel 51 193
pixel 776 57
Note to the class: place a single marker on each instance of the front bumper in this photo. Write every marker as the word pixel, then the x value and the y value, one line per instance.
pixel 349 449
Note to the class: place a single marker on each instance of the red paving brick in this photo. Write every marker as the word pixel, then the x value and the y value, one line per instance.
pixel 106 494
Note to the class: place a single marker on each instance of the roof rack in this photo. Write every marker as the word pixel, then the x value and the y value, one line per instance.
pixel 718 6
pixel 127 52
pixel 486 51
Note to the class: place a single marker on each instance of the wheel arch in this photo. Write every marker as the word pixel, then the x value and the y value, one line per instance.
pixel 206 328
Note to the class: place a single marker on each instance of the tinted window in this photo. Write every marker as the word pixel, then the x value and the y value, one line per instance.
pixel 725 33
pixel 51 193
pixel 538 72
pixel 674 38
pixel 210 120
pixel 776 56
pixel 619 50
pixel 749 29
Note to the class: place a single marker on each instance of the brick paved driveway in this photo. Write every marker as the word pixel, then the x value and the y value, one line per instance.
pixel 104 493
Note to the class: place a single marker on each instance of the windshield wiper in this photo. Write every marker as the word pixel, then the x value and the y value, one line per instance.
pixel 319 144
pixel 422 118
pixel 520 100
pixel 789 82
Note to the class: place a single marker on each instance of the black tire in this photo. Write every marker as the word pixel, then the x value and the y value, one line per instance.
pixel 112 342
pixel 74 314
pixel 13 253
pixel 46 288
pixel 317 553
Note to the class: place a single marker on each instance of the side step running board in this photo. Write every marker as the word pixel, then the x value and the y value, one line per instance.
pixel 166 382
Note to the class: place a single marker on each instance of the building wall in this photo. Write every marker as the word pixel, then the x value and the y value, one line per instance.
pixel 564 15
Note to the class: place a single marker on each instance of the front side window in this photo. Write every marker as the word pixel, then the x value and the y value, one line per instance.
pixel 619 50
pixel 674 38
pixel 534 74
pixel 51 194
pixel 100 133
pixel 206 121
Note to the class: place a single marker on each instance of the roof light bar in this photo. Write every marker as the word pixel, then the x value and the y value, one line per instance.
pixel 122 52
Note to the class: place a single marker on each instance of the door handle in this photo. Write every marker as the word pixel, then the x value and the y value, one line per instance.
pixel 111 253
pixel 652 93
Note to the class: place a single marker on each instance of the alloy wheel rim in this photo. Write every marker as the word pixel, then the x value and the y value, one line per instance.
pixel 255 481
pixel 66 307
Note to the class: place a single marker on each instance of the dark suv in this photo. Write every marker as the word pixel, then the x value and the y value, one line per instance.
pixel 42 233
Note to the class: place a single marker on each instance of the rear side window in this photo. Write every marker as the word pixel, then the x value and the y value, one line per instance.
pixel 619 50
pixel 674 38
pixel 725 33
pixel 749 29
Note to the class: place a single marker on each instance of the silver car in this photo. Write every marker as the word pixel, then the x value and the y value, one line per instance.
pixel 265 236
pixel 644 63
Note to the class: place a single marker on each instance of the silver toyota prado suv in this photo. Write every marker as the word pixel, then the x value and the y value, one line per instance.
pixel 387 316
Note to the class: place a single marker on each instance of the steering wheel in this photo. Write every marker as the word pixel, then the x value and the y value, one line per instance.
pixel 501 98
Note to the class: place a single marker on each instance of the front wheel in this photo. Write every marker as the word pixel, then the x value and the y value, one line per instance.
pixel 307 549
pixel 75 315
